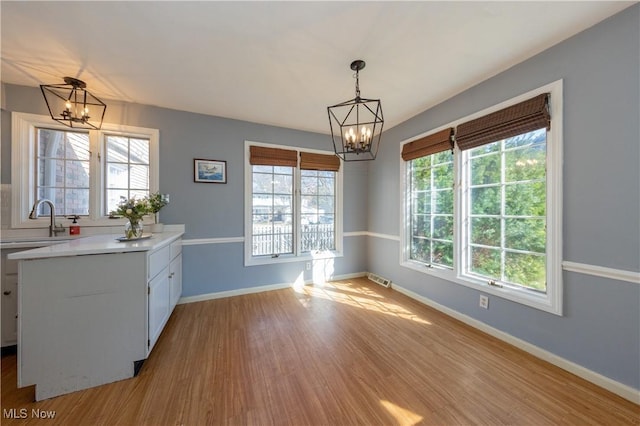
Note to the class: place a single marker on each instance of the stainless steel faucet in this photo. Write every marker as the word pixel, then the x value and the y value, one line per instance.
pixel 53 229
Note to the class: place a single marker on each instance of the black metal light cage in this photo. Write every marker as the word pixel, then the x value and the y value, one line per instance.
pixel 352 116
pixel 72 105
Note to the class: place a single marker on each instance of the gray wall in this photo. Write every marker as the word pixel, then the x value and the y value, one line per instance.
pixel 600 328
pixel 208 210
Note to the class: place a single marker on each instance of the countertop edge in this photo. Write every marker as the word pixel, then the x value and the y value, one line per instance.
pixel 98 244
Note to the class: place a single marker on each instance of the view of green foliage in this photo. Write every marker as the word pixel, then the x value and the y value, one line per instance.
pixel 507 203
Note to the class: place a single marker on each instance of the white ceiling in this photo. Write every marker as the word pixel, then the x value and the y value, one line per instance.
pixel 281 63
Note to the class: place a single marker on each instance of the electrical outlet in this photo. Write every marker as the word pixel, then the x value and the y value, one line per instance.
pixel 308 266
pixel 484 301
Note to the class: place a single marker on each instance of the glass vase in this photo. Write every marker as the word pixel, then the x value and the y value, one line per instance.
pixel 133 229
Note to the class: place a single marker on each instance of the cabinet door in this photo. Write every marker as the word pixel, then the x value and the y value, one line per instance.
pixel 159 305
pixel 175 269
pixel 9 309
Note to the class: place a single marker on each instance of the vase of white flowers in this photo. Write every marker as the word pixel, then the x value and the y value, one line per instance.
pixel 133 210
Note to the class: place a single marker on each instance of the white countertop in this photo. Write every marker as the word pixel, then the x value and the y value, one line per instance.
pixel 98 244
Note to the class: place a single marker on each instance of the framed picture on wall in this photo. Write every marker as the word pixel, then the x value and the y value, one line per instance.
pixel 209 171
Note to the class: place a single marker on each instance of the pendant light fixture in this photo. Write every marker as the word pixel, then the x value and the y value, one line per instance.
pixel 72 105
pixel 356 124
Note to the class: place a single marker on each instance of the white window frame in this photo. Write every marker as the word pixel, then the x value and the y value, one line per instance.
pixel 23 153
pixel 297 256
pixel 552 300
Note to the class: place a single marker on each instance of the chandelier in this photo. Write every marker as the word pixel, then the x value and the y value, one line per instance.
pixel 356 124
pixel 72 105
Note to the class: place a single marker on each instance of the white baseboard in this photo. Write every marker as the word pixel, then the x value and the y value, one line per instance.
pixel 625 391
pixel 260 289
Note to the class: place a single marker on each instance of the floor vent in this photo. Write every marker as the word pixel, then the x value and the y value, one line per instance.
pixel 378 279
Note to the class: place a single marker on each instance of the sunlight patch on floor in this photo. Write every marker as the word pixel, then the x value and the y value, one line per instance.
pixel 402 415
pixel 362 298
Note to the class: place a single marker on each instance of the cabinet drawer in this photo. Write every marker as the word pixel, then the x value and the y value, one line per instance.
pixel 158 260
pixel 176 248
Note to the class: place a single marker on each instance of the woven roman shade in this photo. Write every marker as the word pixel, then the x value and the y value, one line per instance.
pixel 432 144
pixel 515 120
pixel 310 161
pixel 263 156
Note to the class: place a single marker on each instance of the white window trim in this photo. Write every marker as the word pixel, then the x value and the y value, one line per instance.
pixel 552 301
pixel 249 259
pixel 23 129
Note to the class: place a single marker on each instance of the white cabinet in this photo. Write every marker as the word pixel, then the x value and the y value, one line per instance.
pixel 9 300
pixel 159 303
pixel 89 320
pixel 175 272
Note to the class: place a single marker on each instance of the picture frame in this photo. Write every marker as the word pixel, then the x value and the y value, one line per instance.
pixel 209 171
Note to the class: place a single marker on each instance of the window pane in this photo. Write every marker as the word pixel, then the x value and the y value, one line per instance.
pixel 421 250
pixel 443 227
pixel 421 225
pixel 139 151
pixel 485 200
pixel 422 202
pixel 525 164
pixel 50 172
pixel 526 234
pixel 485 231
pixel 51 143
pixel 113 198
pixel 77 174
pixel 282 184
pixel 117 175
pixel 526 139
pixel 486 262
pixel 77 201
pixel 443 176
pixel 485 149
pixel 442 253
pixel 139 178
pixel 526 270
pixel 485 170
pixel 526 199
pixel 117 149
pixel 443 201
pixel 77 146
pixel 262 183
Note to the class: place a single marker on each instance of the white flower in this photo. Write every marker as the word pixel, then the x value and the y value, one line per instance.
pixel 129 211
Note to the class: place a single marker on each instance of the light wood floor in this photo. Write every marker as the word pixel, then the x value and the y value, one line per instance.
pixel 349 352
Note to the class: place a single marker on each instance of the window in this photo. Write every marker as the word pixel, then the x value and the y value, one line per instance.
pixel 127 169
pixel 431 215
pixel 498 228
pixel 82 172
pixel 63 170
pixel 293 204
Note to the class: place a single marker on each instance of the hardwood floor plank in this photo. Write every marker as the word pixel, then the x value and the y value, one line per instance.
pixel 342 353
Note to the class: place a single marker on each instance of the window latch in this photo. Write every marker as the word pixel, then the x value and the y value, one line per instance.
pixel 274 256
pixel 494 284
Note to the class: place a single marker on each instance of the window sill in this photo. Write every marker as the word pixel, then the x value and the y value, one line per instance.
pixel 306 257
pixel 540 301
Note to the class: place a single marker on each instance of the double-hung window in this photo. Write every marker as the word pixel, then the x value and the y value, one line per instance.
pixel 483 200
pixel 83 172
pixel 292 204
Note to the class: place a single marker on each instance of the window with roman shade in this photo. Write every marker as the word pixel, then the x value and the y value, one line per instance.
pixel 498 228
pixel 430 189
pixel 295 204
